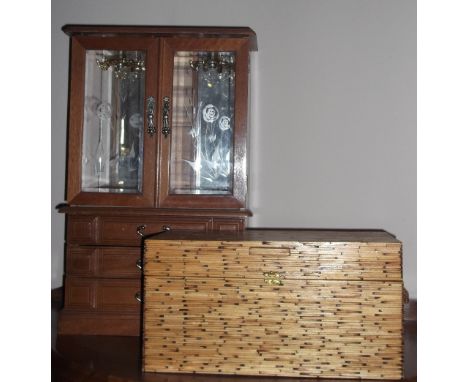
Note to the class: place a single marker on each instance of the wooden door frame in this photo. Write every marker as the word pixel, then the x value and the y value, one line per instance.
pixel 75 194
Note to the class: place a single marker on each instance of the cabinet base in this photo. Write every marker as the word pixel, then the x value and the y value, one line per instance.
pixel 74 323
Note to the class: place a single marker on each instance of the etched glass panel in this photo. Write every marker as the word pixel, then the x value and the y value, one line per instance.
pixel 202 123
pixel 113 127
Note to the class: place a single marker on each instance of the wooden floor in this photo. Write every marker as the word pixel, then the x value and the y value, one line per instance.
pixel 118 359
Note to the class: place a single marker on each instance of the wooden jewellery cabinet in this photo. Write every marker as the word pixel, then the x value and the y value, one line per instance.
pixel 156 141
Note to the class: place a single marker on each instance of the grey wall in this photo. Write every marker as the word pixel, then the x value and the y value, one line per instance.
pixel 333 127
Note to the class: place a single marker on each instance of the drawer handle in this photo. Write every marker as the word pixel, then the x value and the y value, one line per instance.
pixel 139 264
pixel 166 129
pixel 273 278
pixel 150 115
pixel 140 230
pixel 138 297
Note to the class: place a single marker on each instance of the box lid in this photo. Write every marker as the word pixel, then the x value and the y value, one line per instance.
pixel 292 235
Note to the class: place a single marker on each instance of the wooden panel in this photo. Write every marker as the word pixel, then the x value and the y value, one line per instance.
pixel 99 323
pixel 81 261
pixel 80 294
pixel 293 260
pixel 82 229
pixel 108 262
pixel 302 328
pixel 118 295
pixel 119 262
pixel 180 31
pixel 288 236
pixel 228 225
pixel 215 213
pixel 102 295
pixel 123 231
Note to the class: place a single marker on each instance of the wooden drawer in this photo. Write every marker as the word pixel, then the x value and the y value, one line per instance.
pixel 287 303
pixel 125 231
pixel 102 295
pixel 111 230
pixel 82 229
pixel 106 262
pixel 223 225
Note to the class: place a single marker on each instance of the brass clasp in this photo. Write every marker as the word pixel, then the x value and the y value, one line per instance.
pixel 273 278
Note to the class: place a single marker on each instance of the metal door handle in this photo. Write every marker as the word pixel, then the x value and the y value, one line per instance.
pixel 150 115
pixel 166 129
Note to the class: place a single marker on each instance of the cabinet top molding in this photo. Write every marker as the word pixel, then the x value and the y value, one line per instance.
pixel 164 31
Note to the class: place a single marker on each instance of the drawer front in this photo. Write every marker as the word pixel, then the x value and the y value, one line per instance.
pixel 310 328
pixel 119 296
pixel 223 225
pixel 119 262
pixel 110 230
pixel 125 231
pixel 280 260
pixel 81 261
pixel 108 262
pixel 80 294
pixel 87 294
pixel 82 229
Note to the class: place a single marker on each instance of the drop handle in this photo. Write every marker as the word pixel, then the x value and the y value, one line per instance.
pixel 166 129
pixel 138 297
pixel 150 103
pixel 139 264
pixel 141 230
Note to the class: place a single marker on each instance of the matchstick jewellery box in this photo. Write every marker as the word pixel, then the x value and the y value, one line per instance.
pixel 315 303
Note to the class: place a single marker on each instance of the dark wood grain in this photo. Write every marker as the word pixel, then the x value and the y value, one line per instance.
pixel 105 229
pixel 164 31
pixel 238 198
pixel 102 251
pixel 125 211
pixel 106 262
pixel 75 194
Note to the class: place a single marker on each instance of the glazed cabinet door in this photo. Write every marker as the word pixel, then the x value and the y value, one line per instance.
pixel 203 105
pixel 112 120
